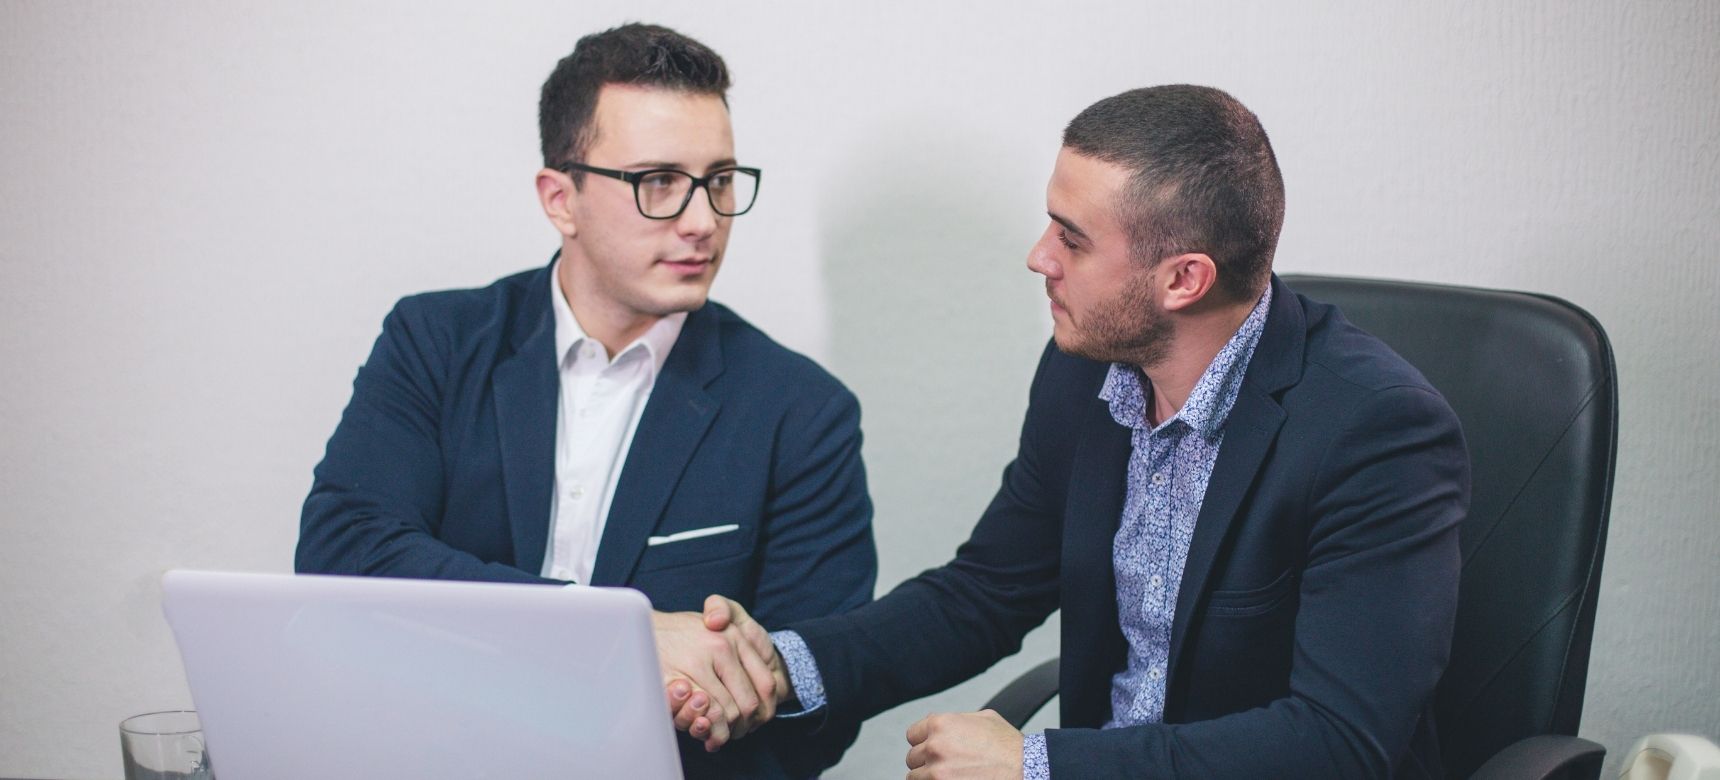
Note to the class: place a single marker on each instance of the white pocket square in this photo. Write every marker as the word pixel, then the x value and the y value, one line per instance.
pixel 696 533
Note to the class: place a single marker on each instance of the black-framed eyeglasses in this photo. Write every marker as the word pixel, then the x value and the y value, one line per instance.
pixel 663 193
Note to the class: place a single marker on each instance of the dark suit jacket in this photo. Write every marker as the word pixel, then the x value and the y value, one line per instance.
pixel 443 464
pixel 1316 607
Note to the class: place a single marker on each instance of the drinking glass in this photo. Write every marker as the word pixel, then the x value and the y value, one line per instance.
pixel 164 746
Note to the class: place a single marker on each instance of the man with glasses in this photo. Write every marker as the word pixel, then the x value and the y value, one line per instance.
pixel 599 421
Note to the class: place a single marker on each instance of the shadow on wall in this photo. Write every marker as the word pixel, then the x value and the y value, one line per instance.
pixel 937 325
pixel 934 325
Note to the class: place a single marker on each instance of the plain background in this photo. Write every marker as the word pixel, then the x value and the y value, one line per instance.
pixel 206 209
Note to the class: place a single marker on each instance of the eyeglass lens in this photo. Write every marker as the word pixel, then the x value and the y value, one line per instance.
pixel 663 194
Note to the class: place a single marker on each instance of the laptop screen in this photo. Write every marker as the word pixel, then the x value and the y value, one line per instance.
pixel 355 677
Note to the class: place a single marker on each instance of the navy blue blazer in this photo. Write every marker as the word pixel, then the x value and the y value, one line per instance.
pixel 1316 607
pixel 443 464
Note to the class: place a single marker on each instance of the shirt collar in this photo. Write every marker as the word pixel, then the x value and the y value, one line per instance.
pixel 1213 396
pixel 656 341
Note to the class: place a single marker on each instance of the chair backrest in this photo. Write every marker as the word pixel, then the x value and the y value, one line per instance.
pixel 1531 378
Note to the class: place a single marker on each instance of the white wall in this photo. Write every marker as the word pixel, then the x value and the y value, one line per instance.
pixel 205 211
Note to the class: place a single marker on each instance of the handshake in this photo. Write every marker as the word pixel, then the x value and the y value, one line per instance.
pixel 723 678
pixel 721 673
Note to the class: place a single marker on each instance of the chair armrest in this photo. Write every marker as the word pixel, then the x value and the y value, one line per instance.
pixel 1547 755
pixel 1026 694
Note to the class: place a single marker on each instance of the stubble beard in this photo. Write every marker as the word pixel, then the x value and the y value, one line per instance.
pixel 1129 328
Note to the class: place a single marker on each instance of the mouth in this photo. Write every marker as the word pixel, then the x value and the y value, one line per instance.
pixel 1056 306
pixel 688 266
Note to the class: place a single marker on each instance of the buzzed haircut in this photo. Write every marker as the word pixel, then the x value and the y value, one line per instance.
pixel 637 54
pixel 1203 178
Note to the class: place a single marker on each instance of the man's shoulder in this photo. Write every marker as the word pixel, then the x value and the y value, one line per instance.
pixel 1341 354
pixel 1351 380
pixel 464 319
pixel 753 358
pixel 504 295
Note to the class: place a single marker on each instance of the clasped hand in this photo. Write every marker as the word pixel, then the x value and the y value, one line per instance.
pixel 721 674
pixel 964 746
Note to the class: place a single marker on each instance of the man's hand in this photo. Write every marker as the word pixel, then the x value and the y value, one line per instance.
pixel 964 745
pixel 722 613
pixel 730 663
pixel 690 707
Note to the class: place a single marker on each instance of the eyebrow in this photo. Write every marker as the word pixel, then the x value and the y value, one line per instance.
pixel 1069 226
pixel 726 162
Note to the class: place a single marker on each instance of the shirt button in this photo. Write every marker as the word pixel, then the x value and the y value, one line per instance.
pixel 587 352
pixel 1155 673
pixel 576 493
pixel 561 573
pixel 1155 580
pixel 1160 478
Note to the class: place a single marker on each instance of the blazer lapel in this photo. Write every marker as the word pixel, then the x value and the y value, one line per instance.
pixel 1248 434
pixel 676 419
pixel 1093 643
pixel 525 386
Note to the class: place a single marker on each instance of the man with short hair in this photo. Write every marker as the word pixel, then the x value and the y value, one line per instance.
pixel 1246 508
pixel 598 421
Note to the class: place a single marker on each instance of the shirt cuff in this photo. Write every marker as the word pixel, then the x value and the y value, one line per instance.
pixel 1035 763
pixel 802 673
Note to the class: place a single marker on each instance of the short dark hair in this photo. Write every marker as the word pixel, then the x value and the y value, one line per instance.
pixel 639 54
pixel 1202 178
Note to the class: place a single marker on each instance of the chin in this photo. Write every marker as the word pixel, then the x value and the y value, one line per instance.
pixel 1068 344
pixel 673 304
pixel 1087 349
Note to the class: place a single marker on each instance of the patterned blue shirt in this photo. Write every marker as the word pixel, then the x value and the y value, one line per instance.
pixel 1168 470
pixel 1169 466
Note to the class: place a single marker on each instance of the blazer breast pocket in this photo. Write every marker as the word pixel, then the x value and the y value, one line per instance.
pixel 700 544
pixel 1253 601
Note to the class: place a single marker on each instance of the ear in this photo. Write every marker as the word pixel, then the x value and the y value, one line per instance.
pixel 557 195
pixel 1189 279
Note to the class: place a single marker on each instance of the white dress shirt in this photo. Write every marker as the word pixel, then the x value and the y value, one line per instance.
pixel 597 414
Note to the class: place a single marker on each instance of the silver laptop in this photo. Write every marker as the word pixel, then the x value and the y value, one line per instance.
pixel 356 677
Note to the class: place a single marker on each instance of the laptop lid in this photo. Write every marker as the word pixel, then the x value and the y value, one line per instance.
pixel 358 677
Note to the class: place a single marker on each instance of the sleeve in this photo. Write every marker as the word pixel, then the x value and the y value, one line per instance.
pixel 818 553
pixel 1034 763
pixel 376 499
pixel 819 557
pixel 802 673
pixel 950 623
pixel 1373 630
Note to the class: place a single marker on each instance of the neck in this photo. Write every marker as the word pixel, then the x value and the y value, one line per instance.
pixel 602 319
pixel 1194 343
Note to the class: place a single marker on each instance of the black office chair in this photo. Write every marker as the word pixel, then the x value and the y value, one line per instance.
pixel 1531 377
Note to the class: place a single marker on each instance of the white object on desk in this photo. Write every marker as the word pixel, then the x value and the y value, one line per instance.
pixel 356 677
pixel 1672 757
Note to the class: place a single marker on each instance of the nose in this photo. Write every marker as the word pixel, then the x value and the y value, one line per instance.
pixel 698 221
pixel 1041 259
